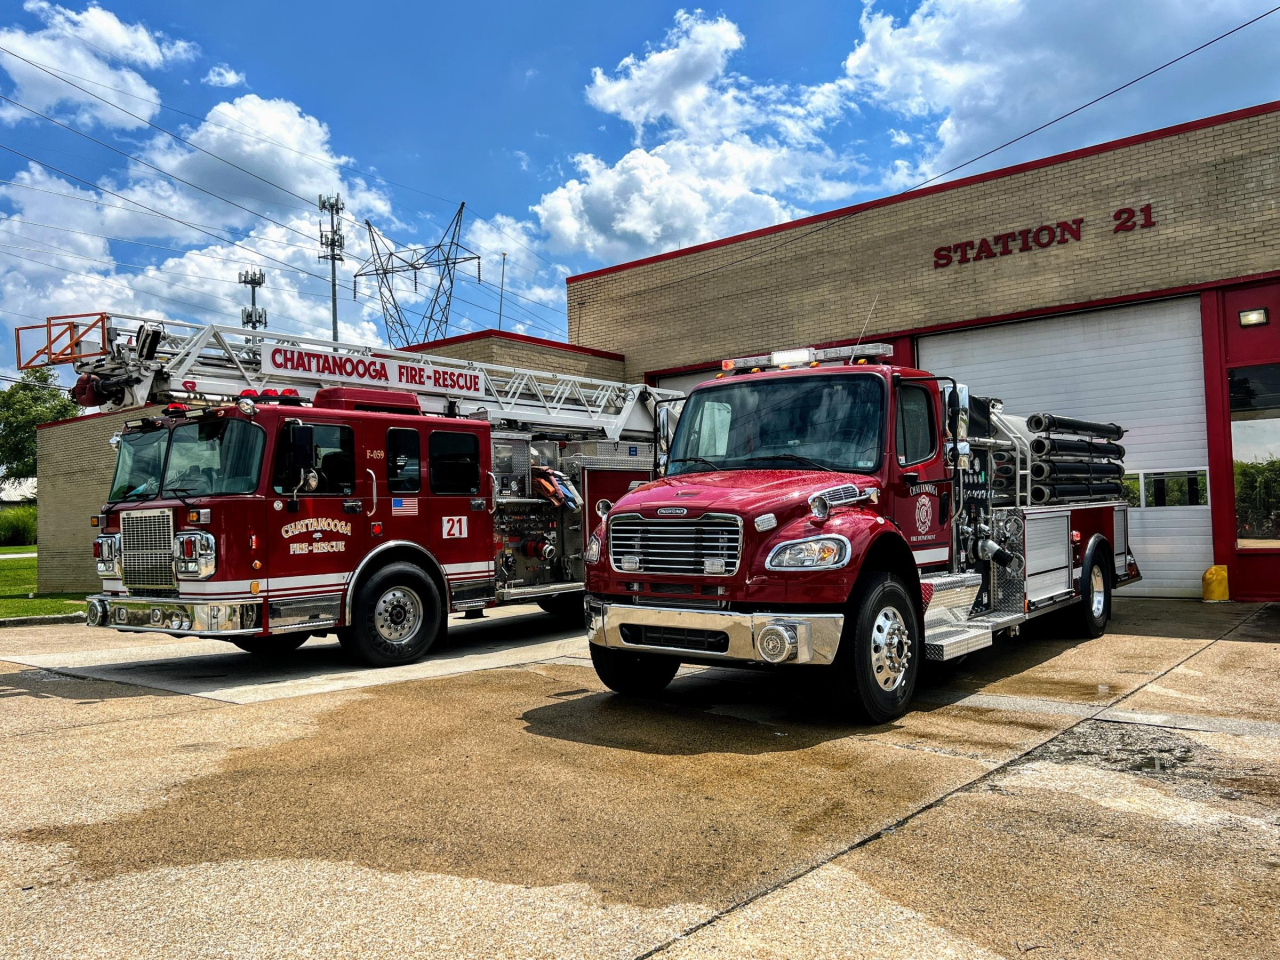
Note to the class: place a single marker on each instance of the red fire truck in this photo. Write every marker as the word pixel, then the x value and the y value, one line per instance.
pixel 827 508
pixel 291 486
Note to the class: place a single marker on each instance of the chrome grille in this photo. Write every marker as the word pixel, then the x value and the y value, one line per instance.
pixel 146 546
pixel 674 546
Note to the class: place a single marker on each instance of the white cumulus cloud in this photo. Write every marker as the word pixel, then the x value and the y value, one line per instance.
pixel 221 75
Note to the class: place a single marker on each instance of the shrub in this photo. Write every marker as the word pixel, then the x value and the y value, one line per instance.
pixel 18 526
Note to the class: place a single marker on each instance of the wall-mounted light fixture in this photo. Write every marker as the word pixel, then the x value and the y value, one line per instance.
pixel 1253 318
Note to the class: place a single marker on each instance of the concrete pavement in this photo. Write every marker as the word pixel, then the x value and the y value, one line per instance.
pixel 1113 797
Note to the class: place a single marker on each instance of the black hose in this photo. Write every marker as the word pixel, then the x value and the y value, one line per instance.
pixel 1048 423
pixel 1047 469
pixel 1044 493
pixel 1056 447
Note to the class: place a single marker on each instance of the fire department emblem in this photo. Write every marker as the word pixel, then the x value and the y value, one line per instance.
pixel 924 514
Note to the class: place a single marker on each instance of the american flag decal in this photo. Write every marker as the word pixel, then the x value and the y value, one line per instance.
pixel 404 507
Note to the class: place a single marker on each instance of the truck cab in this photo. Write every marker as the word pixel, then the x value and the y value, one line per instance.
pixel 823 509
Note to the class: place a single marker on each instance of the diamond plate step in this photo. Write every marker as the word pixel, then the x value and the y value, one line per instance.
pixel 955 640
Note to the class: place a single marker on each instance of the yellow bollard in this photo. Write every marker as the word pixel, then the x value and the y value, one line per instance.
pixel 1214 584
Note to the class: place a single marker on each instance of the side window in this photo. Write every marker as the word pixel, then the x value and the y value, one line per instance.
pixel 335 462
pixel 404 460
pixel 454 462
pixel 916 436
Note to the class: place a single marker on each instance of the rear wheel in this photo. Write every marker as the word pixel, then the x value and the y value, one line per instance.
pixel 1094 609
pixel 880 653
pixel 272 646
pixel 636 674
pixel 397 617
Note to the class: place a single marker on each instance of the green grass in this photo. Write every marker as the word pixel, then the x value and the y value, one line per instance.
pixel 17 579
pixel 30 549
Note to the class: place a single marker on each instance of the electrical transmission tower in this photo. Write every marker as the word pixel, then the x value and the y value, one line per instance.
pixel 253 316
pixel 440 262
pixel 331 241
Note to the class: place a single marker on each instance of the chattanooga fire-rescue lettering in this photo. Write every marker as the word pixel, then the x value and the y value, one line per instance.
pixel 316 524
pixel 373 370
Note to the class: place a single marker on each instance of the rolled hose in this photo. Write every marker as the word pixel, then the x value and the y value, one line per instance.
pixel 1048 423
pixel 1044 493
pixel 1046 469
pixel 1055 447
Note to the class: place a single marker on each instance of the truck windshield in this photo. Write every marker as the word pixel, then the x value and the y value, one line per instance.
pixel 195 459
pixel 801 422
pixel 214 457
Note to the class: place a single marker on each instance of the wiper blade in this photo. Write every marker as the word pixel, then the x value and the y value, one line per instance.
pixel 709 463
pixel 791 456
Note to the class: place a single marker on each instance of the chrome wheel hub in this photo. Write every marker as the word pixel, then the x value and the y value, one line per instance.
pixel 1097 592
pixel 890 649
pixel 397 615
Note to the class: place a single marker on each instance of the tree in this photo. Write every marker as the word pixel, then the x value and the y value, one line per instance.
pixel 36 399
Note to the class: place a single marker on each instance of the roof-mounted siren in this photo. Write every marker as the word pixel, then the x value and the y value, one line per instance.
pixel 809 357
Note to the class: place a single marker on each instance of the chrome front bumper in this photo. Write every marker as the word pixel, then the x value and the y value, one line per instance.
pixel 816 635
pixel 177 617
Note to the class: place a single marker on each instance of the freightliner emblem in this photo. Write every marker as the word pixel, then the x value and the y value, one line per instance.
pixel 672 511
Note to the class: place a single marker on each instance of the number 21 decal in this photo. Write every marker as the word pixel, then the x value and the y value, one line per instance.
pixel 455 527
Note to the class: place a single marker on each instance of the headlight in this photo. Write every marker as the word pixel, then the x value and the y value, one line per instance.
pixel 106 554
pixel 195 556
pixel 592 553
pixel 828 552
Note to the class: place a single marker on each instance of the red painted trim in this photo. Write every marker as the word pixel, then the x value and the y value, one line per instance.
pixel 897 336
pixel 515 338
pixel 1107 147
pixel 92 416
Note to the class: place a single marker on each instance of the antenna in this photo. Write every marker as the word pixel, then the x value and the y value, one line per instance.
pixel 868 320
pixel 253 316
pixel 443 259
pixel 331 242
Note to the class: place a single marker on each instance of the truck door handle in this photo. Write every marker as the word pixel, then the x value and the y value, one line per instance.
pixel 493 491
pixel 374 477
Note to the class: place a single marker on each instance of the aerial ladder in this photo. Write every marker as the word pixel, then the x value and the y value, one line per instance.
pixel 127 361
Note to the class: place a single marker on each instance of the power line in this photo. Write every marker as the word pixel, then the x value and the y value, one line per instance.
pixel 145 213
pixel 840 219
pixel 152 166
pixel 62 74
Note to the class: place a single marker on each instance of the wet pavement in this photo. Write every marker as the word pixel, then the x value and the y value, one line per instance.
pixel 1063 798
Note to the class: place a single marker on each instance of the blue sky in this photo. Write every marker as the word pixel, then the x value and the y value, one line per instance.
pixel 579 134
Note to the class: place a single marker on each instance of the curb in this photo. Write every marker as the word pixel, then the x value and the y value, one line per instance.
pixel 41 621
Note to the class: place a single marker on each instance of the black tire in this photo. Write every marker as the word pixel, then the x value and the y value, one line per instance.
pixel 396 617
pixel 876 668
pixel 563 606
pixel 268 647
pixel 1093 610
pixel 635 674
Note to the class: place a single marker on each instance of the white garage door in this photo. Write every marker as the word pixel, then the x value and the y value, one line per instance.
pixel 1139 366
pixel 684 382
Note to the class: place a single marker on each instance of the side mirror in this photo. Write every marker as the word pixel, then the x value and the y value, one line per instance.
pixel 957 404
pixel 662 464
pixel 301 444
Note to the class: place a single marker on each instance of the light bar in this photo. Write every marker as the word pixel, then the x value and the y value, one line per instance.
pixel 805 356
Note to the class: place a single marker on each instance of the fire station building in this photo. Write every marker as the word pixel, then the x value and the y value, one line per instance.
pixel 1136 281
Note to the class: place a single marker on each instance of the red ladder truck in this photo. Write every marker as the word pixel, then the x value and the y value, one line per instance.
pixel 826 508
pixel 292 486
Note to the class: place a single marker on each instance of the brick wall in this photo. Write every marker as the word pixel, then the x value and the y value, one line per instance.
pixel 74 464
pixel 1212 192
pixel 530 354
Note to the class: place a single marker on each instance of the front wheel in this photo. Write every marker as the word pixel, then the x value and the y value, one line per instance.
pixel 879 657
pixel 267 647
pixel 636 674
pixel 397 617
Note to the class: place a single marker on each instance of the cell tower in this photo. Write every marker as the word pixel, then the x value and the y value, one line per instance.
pixel 331 242
pixel 440 262
pixel 253 316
